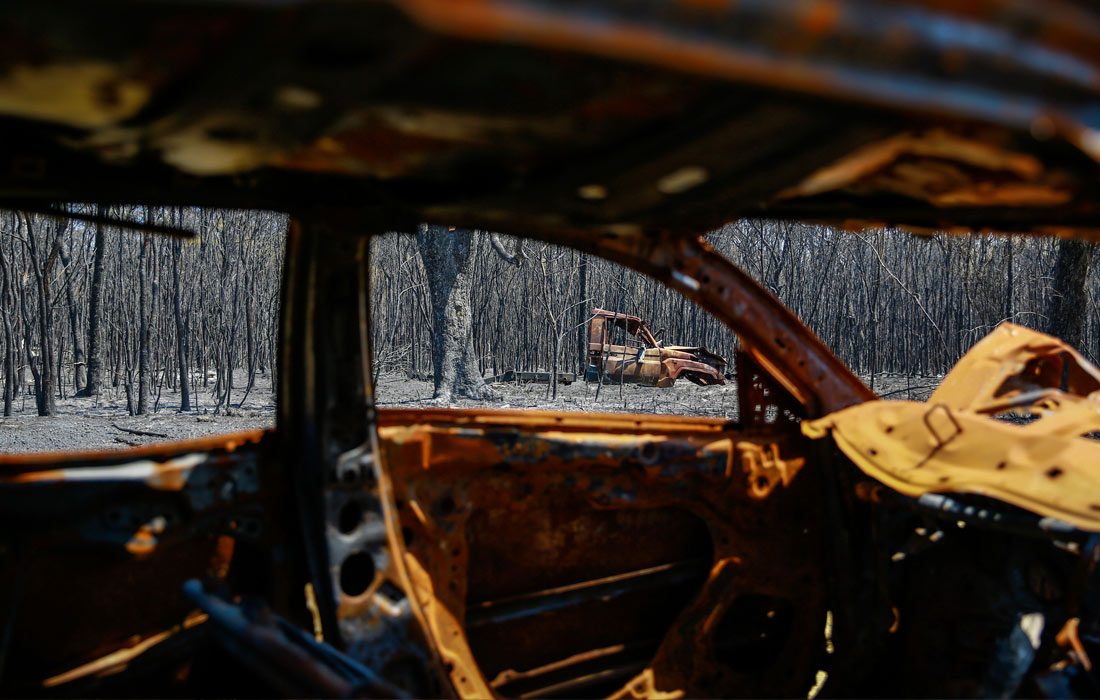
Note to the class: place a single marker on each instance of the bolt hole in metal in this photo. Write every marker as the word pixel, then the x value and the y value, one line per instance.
pixel 356 574
pixel 350 516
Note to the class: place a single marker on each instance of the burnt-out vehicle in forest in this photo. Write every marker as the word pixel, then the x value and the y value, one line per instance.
pixel 642 359
pixel 825 543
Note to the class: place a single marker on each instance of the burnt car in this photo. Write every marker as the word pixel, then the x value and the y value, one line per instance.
pixel 643 360
pixel 354 551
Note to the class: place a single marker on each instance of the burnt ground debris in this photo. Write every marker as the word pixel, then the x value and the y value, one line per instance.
pixel 81 422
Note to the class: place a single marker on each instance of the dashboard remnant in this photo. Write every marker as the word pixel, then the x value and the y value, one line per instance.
pixel 1015 419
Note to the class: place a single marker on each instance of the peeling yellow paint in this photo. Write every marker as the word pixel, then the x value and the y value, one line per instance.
pixel 953 443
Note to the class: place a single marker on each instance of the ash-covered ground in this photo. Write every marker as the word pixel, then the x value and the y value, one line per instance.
pixel 683 398
pixel 94 423
pixel 90 423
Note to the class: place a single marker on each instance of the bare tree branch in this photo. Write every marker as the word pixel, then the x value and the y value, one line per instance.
pixel 515 258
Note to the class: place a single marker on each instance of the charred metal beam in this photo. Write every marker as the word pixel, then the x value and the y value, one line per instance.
pixel 579 683
pixel 542 602
pixel 582 670
pixel 327 423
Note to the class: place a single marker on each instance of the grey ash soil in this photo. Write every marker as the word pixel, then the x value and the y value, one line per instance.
pixel 683 398
pixel 89 424
pixel 84 424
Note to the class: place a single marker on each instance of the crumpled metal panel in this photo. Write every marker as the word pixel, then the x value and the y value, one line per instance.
pixel 532 539
pixel 1041 458
pixel 98 543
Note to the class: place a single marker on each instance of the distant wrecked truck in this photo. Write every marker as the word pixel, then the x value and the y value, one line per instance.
pixel 643 360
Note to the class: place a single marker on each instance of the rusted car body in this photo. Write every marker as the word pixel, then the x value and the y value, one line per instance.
pixel 469 553
pixel 646 362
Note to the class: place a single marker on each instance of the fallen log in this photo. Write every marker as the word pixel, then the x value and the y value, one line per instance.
pixel 137 432
pixel 531 377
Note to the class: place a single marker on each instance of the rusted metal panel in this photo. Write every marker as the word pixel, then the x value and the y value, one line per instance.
pixel 98 544
pixel 487 499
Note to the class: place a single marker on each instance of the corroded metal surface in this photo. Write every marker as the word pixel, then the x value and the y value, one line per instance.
pixel 128 528
pixel 547 536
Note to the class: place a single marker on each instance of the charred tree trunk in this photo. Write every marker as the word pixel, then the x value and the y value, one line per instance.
pixel 28 345
pixel 143 331
pixel 183 361
pixel 250 349
pixel 80 368
pixel 7 300
pixel 582 316
pixel 41 265
pixel 447 256
pixel 95 315
pixel 1067 310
